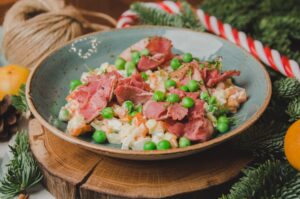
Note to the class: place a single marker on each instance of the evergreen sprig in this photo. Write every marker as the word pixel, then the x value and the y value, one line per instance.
pixel 22 170
pixel 261 180
pixel 152 16
pixel 293 109
pixel 19 101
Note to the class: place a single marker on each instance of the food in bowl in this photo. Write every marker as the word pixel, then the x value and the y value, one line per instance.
pixel 153 99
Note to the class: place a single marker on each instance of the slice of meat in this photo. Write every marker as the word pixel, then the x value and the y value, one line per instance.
pixel 193 95
pixel 135 80
pixel 179 92
pixel 174 127
pixel 151 62
pixel 198 111
pixel 95 95
pixel 181 72
pixel 199 130
pixel 134 94
pixel 177 111
pixel 140 45
pixel 160 45
pixel 214 77
pixel 155 110
pixel 197 75
pixel 96 103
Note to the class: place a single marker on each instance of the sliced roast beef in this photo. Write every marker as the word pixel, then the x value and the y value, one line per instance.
pixel 174 127
pixel 177 111
pixel 134 89
pixel 160 45
pixel 95 95
pixel 155 110
pixel 134 94
pixel 198 111
pixel 198 130
pixel 213 77
pixel 135 80
pixel 181 72
pixel 151 62
pixel 92 109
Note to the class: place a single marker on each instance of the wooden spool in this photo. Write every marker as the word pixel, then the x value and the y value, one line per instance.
pixel 71 172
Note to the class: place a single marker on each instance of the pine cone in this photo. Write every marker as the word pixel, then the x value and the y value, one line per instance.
pixel 8 118
pixel 287 88
pixel 293 109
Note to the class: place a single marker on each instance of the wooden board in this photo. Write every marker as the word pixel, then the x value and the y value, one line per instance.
pixel 71 172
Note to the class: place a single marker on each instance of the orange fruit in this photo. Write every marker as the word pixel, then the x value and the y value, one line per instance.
pixel 11 78
pixel 292 145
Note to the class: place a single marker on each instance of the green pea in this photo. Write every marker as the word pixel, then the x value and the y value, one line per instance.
pixel 132 114
pixel 120 63
pixel 163 145
pixel 184 142
pixel 128 105
pixel 144 76
pixel 74 84
pixel 144 52
pixel 139 108
pixel 223 119
pixel 212 100
pixel 175 64
pixel 193 85
pixel 188 102
pixel 149 146
pixel 135 57
pixel 130 68
pixel 222 127
pixel 187 57
pixel 99 136
pixel 64 115
pixel 184 88
pixel 107 113
pixel 204 96
pixel 158 96
pixel 173 98
pixel 170 83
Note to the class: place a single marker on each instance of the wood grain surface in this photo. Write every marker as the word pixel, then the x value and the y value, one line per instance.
pixel 71 172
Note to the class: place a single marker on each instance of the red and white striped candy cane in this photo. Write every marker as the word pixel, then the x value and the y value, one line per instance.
pixel 270 57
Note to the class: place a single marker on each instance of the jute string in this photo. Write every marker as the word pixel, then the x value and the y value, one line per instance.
pixel 32 28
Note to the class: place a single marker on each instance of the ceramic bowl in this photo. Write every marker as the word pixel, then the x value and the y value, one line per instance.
pixel 48 84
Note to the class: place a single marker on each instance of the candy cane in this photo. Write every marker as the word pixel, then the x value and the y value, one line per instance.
pixel 270 57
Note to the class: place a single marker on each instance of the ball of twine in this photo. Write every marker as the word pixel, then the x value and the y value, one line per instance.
pixel 32 28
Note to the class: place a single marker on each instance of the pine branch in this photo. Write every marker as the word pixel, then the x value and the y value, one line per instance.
pixel 290 190
pixel 262 180
pixel 22 170
pixel 265 141
pixel 152 16
pixel 287 88
pixel 293 109
pixel 19 101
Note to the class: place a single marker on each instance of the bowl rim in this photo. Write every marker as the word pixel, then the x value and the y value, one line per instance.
pixel 110 150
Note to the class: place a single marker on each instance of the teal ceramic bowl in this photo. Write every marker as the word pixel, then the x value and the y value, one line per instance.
pixel 48 84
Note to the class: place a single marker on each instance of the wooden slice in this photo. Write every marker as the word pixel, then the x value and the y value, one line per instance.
pixel 72 172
